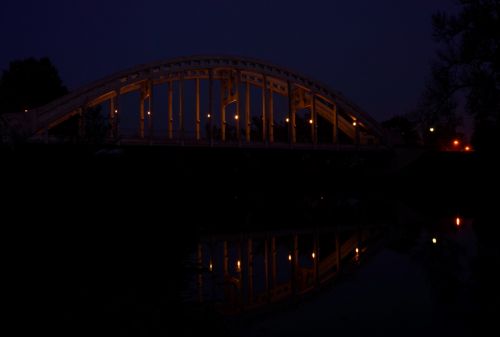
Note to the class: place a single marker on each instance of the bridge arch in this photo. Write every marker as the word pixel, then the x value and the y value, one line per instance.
pixel 235 77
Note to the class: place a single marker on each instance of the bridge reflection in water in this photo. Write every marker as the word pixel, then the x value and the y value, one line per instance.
pixel 246 271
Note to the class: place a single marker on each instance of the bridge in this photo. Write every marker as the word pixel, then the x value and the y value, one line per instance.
pixel 210 100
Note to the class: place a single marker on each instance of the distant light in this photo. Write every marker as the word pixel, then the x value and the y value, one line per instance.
pixel 149 113
pixel 287 120
pixel 467 148
pixel 289 257
pixel 238 265
pixel 209 116
pixel 432 129
pixel 357 250
pixel 116 111
pixel 322 198
pixel 313 255
pixel 434 240
pixel 310 121
pixel 211 266
pixel 25 110
pixel 354 123
pixel 456 142
pixel 458 221
pixel 236 117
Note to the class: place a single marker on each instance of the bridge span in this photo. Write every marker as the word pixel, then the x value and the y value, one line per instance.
pixel 211 100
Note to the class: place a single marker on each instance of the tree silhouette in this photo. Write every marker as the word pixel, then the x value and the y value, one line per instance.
pixel 29 84
pixel 468 66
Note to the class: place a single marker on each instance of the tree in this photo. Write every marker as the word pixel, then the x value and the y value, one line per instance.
pixel 402 130
pixel 467 66
pixel 29 84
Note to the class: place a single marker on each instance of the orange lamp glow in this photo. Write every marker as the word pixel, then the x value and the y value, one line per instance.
pixel 458 221
pixel 456 142
pixel 467 148
pixel 313 255
pixel 289 257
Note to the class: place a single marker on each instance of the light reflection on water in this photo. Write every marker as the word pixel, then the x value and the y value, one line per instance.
pixel 247 271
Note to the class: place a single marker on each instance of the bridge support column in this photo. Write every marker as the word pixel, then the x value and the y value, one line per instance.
pixel 142 112
pixel 314 119
pixel 248 120
pixel 81 124
pixel 335 125
pixel 264 120
pixel 210 106
pixel 198 118
pixel 238 107
pixel 150 112
pixel 170 91
pixel 271 116
pixel 223 89
pixel 291 116
pixel 181 108
pixel 114 116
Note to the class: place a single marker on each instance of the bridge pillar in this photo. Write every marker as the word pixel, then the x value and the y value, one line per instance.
pixel 271 116
pixel 141 112
pixel 291 116
pixel 264 91
pixel 81 124
pixel 238 107
pixel 181 108
pixel 198 118
pixel 223 90
pixel 335 125
pixel 314 118
pixel 170 98
pixel 248 120
pixel 150 113
pixel 114 116
pixel 210 106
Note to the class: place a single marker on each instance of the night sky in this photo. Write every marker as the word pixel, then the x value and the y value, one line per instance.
pixel 375 52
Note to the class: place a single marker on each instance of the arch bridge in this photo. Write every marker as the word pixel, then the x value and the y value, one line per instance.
pixel 232 100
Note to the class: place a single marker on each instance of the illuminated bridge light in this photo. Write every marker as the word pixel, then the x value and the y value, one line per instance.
pixel 458 221
pixel 211 266
pixel 434 240
pixel 456 142
pixel 313 255
pixel 432 129
pixel 311 121
pixel 287 120
pixel 238 265
pixel 25 110
pixel 289 257
pixel 354 123
pixel 209 116
pixel 149 113
pixel 357 250
pixel 116 111
pixel 236 117
pixel 467 148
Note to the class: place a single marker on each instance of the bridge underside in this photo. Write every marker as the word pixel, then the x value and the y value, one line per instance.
pixel 212 100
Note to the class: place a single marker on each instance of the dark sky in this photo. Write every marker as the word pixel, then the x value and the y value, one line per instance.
pixel 376 52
